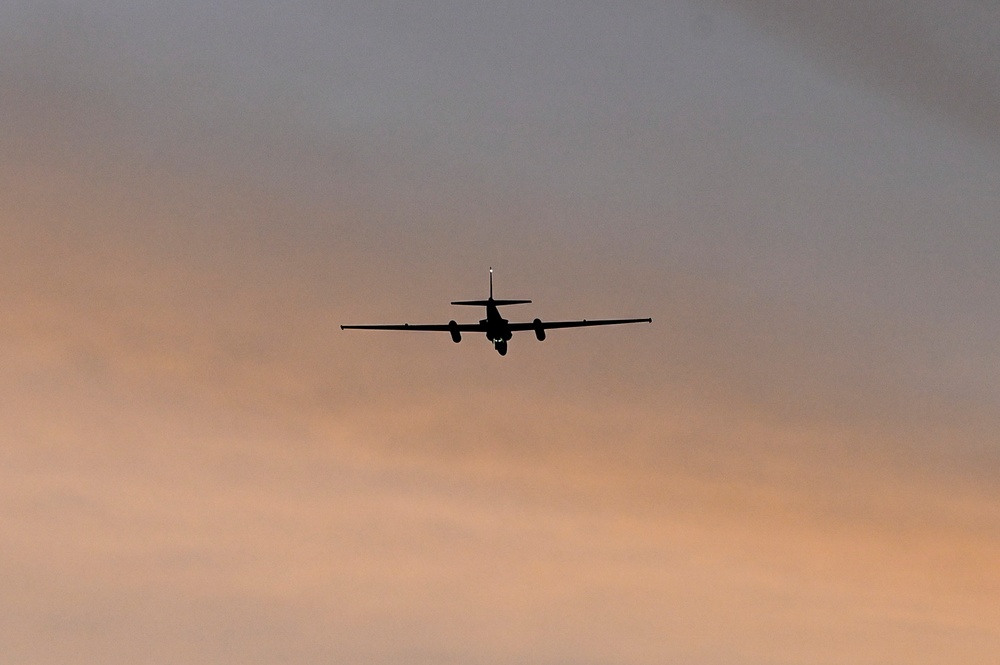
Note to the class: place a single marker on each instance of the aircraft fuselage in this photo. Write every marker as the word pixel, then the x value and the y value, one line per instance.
pixel 497 328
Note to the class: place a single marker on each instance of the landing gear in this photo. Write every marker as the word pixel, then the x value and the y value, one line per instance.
pixel 498 338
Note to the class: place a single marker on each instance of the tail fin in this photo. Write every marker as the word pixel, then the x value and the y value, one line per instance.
pixel 491 301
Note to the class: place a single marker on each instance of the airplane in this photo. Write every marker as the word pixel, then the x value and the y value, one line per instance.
pixel 498 329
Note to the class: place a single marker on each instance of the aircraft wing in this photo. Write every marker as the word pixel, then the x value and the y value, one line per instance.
pixel 420 327
pixel 551 325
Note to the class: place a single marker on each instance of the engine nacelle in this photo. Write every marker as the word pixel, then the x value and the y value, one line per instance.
pixel 456 334
pixel 539 330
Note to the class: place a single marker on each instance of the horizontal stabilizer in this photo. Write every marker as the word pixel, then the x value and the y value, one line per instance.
pixel 485 303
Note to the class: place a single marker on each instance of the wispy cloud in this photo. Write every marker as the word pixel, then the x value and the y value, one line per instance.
pixel 943 59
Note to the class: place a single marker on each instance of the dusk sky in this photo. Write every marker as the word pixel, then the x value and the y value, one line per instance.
pixel 797 462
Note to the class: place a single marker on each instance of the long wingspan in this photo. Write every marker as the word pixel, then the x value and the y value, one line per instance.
pixel 431 327
pixel 550 325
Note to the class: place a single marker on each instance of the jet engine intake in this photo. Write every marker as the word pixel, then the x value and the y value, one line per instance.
pixel 456 334
pixel 539 330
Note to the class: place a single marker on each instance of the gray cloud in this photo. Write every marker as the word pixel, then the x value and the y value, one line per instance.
pixel 943 58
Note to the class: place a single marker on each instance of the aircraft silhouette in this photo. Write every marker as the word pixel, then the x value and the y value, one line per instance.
pixel 498 329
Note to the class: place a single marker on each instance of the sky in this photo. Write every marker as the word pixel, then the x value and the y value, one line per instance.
pixel 795 463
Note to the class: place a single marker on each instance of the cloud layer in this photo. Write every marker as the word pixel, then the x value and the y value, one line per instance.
pixel 795 462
